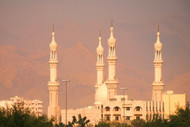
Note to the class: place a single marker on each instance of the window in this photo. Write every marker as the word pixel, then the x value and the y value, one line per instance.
pixel 127 108
pixel 107 108
pixel 128 118
pixel 116 108
pixel 116 118
pixel 138 117
pixel 108 118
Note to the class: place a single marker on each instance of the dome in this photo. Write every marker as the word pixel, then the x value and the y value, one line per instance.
pixel 158 44
pixel 111 40
pixel 100 49
pixel 53 44
pixel 101 94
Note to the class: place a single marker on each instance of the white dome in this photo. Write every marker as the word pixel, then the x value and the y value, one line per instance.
pixel 53 44
pixel 111 40
pixel 101 94
pixel 100 49
pixel 158 44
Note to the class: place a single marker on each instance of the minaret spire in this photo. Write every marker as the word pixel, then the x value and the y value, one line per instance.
pixel 111 30
pixel 158 27
pixel 53 27
pixel 100 38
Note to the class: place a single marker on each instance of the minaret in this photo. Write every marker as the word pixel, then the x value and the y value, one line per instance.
pixel 158 84
pixel 100 62
pixel 100 69
pixel 53 84
pixel 112 58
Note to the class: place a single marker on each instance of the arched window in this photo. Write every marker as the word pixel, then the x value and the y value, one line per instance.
pixel 116 108
pixel 107 108
pixel 138 108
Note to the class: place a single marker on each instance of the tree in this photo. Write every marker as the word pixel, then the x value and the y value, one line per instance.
pixel 138 123
pixel 102 124
pixel 81 122
pixel 20 117
pixel 181 118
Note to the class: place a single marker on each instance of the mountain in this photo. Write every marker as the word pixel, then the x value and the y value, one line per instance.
pixel 26 74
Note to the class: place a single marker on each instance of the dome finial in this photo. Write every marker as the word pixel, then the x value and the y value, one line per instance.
pixel 53 44
pixel 53 33
pixel 100 49
pixel 158 33
pixel 158 44
pixel 100 38
pixel 53 27
pixel 158 27
pixel 111 28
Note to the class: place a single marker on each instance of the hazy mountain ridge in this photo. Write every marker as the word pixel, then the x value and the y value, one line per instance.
pixel 26 74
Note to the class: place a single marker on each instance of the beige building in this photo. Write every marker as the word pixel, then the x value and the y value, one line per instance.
pixel 110 106
pixel 35 106
pixel 172 101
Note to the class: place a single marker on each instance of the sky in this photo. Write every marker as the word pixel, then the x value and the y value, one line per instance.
pixel 28 25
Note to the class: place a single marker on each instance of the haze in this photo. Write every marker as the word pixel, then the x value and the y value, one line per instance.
pixel 27 26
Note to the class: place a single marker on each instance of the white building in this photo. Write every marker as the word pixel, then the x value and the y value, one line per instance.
pixel 110 106
pixel 35 106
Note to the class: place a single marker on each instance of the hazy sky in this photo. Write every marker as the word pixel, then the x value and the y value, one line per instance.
pixel 28 25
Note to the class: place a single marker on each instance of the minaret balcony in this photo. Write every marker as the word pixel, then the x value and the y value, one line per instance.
pixel 112 80
pixel 112 58
pixel 50 83
pixel 158 61
pixel 53 61
pixel 160 83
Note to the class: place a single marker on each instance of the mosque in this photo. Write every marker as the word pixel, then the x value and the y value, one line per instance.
pixel 108 105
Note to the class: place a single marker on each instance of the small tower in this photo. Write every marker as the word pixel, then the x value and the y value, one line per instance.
pixel 100 70
pixel 112 58
pixel 53 84
pixel 158 84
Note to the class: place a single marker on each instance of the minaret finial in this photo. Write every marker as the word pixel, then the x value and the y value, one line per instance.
pixel 158 27
pixel 111 23
pixel 100 38
pixel 53 27
pixel 158 33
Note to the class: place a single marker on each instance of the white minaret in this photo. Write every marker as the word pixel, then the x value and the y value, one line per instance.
pixel 53 84
pixel 100 69
pixel 100 62
pixel 112 58
pixel 158 84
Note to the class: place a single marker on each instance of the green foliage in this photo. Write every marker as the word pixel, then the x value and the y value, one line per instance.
pixel 103 124
pixel 138 123
pixel 19 117
pixel 81 122
pixel 111 124
pixel 181 118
